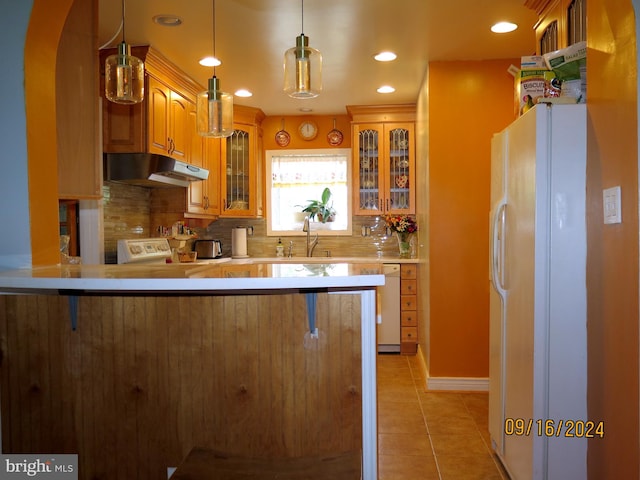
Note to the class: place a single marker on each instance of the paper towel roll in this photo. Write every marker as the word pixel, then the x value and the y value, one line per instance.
pixel 239 242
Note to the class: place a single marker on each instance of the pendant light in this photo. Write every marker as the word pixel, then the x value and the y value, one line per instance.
pixel 302 68
pixel 214 108
pixel 124 74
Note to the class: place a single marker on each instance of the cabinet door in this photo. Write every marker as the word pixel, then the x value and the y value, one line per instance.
pixel 368 168
pixel 212 163
pixel 239 173
pixel 168 126
pixel 399 194
pixel 158 106
pixel 197 194
pixel 180 133
pixel 385 169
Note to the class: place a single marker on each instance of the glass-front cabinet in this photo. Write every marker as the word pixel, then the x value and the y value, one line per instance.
pixel 384 166
pixel 240 171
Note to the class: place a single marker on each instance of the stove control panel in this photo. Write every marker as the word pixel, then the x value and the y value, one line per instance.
pixel 143 250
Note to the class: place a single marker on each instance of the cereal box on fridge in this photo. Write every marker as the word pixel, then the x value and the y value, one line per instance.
pixel 531 85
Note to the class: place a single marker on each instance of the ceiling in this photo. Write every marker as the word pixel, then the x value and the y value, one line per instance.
pixel 252 36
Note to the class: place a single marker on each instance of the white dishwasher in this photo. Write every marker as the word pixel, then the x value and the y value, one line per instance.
pixel 389 310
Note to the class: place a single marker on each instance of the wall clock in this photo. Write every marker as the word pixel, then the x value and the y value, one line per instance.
pixel 308 130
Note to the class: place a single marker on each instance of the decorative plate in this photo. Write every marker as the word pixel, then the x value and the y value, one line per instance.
pixel 401 181
pixel 335 137
pixel 283 138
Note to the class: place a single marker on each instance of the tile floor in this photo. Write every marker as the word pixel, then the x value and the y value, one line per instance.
pixel 430 435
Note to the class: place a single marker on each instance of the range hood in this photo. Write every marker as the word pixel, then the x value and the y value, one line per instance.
pixel 150 170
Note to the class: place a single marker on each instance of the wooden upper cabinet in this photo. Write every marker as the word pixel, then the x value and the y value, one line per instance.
pixel 168 123
pixel 241 163
pixel 383 159
pixel 560 23
pixel 203 198
pixel 160 123
pixel 158 97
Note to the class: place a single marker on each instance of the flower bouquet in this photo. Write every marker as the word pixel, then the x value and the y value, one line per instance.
pixel 404 226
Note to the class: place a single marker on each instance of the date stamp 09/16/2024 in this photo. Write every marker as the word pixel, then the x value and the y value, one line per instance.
pixel 554 428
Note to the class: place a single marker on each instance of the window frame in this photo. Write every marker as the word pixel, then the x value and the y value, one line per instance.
pixel 270 154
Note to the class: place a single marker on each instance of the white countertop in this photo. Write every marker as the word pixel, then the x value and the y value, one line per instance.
pixel 221 276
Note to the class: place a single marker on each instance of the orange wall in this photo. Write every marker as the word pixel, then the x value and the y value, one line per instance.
pixel 612 263
pixel 271 125
pixel 468 103
pixel 45 28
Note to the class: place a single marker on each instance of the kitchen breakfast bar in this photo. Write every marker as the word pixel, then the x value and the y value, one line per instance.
pixel 133 367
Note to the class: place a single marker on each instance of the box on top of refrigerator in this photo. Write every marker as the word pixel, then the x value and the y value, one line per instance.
pixel 570 67
pixel 533 85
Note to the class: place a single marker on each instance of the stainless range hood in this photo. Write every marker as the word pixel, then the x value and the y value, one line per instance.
pixel 150 170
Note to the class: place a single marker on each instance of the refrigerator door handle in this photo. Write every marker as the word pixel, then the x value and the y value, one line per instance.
pixel 498 247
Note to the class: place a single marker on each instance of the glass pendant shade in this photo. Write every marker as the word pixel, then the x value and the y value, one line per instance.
pixel 302 70
pixel 214 111
pixel 124 77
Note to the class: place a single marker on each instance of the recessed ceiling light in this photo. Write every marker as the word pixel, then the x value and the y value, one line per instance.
pixel 306 109
pixel 243 93
pixel 385 56
pixel 386 89
pixel 210 62
pixel 167 20
pixel 504 27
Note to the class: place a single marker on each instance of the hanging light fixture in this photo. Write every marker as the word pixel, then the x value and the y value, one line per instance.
pixel 214 108
pixel 124 74
pixel 302 68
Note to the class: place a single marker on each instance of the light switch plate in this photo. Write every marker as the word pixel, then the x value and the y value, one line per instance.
pixel 611 204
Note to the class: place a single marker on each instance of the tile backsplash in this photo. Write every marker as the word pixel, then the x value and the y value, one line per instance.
pixel 356 245
pixel 127 215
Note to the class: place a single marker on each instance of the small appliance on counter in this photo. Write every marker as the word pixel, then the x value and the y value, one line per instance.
pixel 208 248
pixel 239 242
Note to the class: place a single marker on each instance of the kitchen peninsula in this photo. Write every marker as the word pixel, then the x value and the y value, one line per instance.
pixel 133 366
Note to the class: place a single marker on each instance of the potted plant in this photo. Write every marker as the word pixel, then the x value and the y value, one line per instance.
pixel 321 208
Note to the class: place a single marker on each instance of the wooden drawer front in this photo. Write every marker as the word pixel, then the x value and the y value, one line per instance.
pixel 408 271
pixel 409 334
pixel 408 287
pixel 408 302
pixel 409 319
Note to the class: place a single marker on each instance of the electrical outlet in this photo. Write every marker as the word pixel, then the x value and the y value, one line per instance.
pixel 612 205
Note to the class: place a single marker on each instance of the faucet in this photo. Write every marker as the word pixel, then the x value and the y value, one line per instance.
pixel 310 244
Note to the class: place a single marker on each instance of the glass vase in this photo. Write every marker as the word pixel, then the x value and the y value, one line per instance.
pixel 404 244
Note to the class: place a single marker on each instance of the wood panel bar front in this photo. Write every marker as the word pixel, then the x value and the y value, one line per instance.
pixel 144 379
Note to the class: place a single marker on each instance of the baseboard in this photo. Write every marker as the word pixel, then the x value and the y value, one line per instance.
pixel 460 384
pixel 422 363
pixel 463 384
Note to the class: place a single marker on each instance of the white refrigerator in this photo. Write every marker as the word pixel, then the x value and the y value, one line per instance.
pixel 538 335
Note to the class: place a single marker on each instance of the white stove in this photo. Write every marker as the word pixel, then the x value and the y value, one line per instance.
pixel 144 250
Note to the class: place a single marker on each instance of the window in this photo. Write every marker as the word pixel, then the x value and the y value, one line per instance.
pixel 295 177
